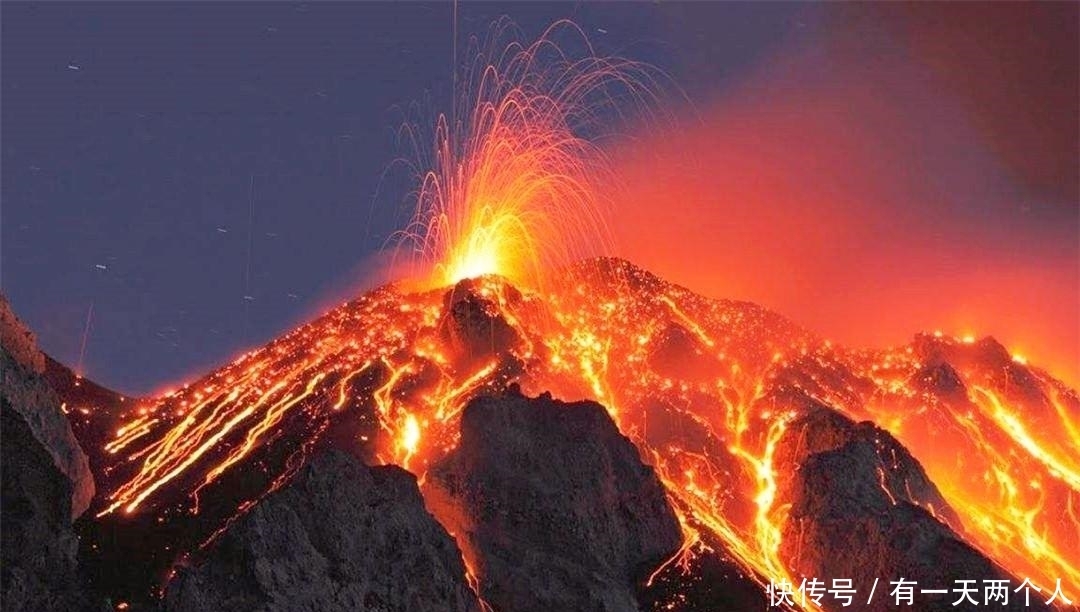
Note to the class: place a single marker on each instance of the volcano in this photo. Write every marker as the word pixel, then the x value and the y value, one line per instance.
pixel 685 452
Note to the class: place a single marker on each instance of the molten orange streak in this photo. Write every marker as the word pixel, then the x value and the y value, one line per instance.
pixel 1064 467
pixel 129 433
pixel 271 419
pixel 343 385
pixel 595 336
pixel 449 402
pixel 1012 484
pixel 409 440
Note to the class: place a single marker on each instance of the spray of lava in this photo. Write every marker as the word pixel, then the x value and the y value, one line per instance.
pixel 512 184
pixel 692 381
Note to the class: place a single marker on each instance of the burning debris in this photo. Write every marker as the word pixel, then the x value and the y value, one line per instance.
pixel 510 186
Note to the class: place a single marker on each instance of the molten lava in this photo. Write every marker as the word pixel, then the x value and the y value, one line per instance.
pixel 699 385
pixel 512 185
pixel 705 388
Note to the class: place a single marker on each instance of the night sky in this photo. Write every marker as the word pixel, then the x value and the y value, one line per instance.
pixel 205 176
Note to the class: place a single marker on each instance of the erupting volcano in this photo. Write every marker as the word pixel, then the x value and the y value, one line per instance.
pixel 707 390
pixel 738 411
pixel 513 187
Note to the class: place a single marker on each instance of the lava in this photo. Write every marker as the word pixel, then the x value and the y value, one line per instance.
pixel 511 187
pixel 697 386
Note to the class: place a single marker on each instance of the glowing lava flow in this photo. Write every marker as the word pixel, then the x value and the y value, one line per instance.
pixel 693 385
pixel 998 439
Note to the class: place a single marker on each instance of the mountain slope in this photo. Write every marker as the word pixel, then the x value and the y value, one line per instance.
pixel 706 389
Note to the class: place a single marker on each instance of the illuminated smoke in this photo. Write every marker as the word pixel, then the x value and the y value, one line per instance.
pixel 843 181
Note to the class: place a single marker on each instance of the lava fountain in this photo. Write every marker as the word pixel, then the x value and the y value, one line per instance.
pixel 513 186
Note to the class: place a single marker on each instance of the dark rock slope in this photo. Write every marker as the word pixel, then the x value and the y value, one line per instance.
pixel 38 569
pixel 552 504
pixel 46 482
pixel 342 536
pixel 24 388
pixel 863 508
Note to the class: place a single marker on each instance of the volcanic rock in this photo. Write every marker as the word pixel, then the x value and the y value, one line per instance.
pixel 709 580
pixel 552 505
pixel 474 325
pixel 342 536
pixel 986 352
pixel 940 379
pixel 821 429
pixel 989 360
pixel 24 388
pixel 678 354
pixel 37 543
pixel 18 340
pixel 863 508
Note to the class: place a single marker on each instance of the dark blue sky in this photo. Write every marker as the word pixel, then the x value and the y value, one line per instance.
pixel 161 161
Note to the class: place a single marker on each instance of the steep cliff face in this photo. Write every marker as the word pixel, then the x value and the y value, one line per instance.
pixel 18 340
pixel 37 544
pixel 46 482
pixel 24 388
pixel 342 536
pixel 553 505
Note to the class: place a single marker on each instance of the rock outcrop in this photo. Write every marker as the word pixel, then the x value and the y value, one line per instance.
pixel 474 325
pixel 18 340
pixel 552 505
pixel 863 508
pixel 709 580
pixel 37 543
pixel 342 536
pixel 24 388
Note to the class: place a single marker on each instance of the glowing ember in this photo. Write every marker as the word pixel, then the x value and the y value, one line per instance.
pixel 513 188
